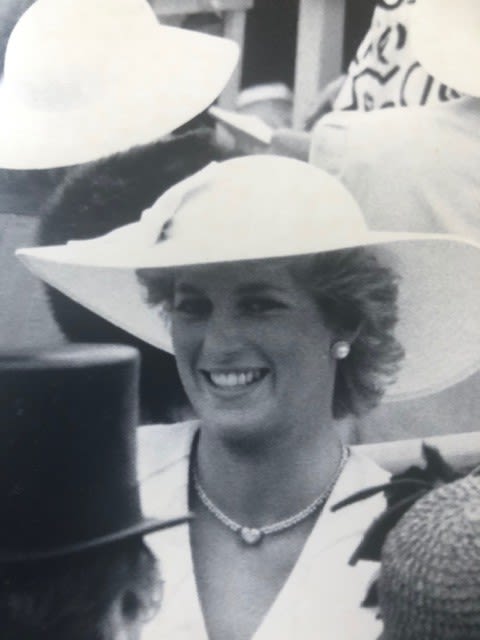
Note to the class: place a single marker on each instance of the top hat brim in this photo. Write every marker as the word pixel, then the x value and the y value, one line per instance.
pixel 142 528
pixel 150 98
pixel 438 307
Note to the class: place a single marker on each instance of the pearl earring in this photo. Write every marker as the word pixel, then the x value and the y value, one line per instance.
pixel 340 350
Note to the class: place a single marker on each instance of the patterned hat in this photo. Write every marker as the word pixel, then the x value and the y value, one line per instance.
pixel 429 586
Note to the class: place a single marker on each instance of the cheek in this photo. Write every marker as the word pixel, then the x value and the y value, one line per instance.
pixel 186 341
pixel 298 351
pixel 312 350
pixel 181 344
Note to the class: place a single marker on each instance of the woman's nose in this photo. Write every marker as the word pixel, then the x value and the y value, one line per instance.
pixel 223 335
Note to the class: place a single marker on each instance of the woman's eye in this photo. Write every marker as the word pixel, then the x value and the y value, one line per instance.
pixel 261 305
pixel 192 307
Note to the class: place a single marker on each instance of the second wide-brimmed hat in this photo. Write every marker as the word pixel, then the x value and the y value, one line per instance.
pixel 429 587
pixel 262 207
pixel 445 37
pixel 68 483
pixel 85 79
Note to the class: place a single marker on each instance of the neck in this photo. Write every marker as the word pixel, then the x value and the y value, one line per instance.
pixel 261 485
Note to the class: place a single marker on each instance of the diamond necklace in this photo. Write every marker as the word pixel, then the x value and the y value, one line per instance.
pixel 251 535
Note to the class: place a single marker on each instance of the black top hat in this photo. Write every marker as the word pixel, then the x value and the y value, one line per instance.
pixel 67 451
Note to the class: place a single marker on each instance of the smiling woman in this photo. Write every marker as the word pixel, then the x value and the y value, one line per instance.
pixel 243 342
pixel 281 309
pixel 353 294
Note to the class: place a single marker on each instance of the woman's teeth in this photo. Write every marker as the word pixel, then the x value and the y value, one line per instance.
pixel 235 378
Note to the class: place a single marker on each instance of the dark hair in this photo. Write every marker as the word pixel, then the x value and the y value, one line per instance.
pixel 70 597
pixel 100 196
pixel 356 295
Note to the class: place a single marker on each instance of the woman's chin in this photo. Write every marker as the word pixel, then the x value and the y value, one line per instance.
pixel 245 429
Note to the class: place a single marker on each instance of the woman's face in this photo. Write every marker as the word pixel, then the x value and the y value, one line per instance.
pixel 252 348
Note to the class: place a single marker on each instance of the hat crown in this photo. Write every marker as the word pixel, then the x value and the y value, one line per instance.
pixel 55 58
pixel 67 451
pixel 254 204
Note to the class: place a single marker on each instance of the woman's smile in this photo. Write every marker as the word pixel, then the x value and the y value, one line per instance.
pixel 234 380
pixel 243 336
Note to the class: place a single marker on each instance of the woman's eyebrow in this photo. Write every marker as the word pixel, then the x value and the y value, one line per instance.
pixel 258 287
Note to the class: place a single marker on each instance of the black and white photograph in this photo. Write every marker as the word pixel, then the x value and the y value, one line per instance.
pixel 239 319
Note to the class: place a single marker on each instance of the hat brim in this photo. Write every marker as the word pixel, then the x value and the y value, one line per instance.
pixel 144 527
pixel 439 307
pixel 150 97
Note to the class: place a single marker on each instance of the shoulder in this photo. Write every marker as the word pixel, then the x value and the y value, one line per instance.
pixel 364 124
pixel 160 446
pixel 369 150
pixel 343 138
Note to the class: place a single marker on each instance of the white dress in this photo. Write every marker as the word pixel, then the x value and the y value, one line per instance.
pixel 320 599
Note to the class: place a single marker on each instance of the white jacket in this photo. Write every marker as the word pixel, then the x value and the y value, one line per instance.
pixel 321 598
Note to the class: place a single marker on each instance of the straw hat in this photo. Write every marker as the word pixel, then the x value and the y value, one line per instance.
pixel 264 207
pixel 429 587
pixel 446 40
pixel 87 78
pixel 67 452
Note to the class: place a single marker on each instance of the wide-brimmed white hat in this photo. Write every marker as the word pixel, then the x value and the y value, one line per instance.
pixel 87 78
pixel 261 207
pixel 445 36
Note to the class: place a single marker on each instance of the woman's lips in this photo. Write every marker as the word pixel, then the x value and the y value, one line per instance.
pixel 234 378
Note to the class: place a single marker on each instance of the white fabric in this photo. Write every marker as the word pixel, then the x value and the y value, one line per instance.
pixel 84 79
pixel 413 169
pixel 321 598
pixel 445 39
pixel 385 71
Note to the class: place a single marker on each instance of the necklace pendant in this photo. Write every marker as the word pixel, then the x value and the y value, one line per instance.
pixel 250 536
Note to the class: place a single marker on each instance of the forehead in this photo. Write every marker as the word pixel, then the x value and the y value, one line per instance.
pixel 237 275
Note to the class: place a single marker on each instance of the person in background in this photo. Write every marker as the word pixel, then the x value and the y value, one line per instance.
pixel 285 314
pixel 73 563
pixel 414 168
pixel 386 71
pixel 63 103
